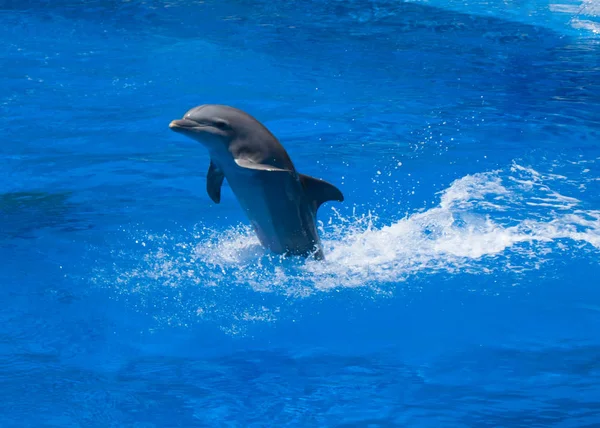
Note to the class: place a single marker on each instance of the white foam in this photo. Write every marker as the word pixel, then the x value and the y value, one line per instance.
pixel 456 235
pixel 584 14
pixel 513 217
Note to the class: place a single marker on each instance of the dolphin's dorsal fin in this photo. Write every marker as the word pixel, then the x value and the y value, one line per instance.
pixel 320 191
pixel 214 181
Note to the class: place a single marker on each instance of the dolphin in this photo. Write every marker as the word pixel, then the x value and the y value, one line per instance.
pixel 280 203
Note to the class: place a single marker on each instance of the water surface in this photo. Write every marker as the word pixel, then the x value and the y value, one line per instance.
pixel 460 287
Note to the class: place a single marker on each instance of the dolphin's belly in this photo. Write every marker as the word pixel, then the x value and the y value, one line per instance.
pixel 278 209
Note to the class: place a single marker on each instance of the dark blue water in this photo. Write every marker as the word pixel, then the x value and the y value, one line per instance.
pixel 461 282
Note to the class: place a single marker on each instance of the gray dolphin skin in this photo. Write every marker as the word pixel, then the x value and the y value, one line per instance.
pixel 280 203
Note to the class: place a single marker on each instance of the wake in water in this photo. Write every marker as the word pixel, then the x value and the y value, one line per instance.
pixel 507 220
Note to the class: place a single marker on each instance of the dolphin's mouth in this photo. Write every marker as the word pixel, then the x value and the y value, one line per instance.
pixel 183 124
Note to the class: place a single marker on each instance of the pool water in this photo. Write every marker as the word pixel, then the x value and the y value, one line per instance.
pixel 461 283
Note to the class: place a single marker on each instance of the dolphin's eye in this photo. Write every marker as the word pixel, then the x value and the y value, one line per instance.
pixel 221 124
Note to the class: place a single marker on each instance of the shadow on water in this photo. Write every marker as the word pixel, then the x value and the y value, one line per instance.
pixel 22 214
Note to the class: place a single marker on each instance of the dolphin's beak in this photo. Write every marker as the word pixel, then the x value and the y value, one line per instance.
pixel 182 124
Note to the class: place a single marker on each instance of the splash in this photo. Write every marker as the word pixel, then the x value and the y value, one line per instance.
pixel 484 222
pixel 584 14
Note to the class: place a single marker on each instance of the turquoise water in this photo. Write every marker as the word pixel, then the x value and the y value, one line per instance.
pixel 461 282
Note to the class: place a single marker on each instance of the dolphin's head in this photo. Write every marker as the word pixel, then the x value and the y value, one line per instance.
pixel 212 125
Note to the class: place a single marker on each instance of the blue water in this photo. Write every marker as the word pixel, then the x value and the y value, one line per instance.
pixel 461 282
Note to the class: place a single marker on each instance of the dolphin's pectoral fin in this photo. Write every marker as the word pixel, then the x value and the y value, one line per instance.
pixel 214 181
pixel 243 163
pixel 320 191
